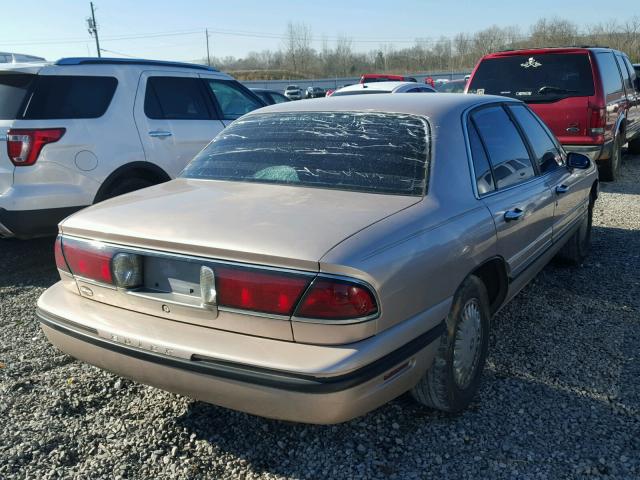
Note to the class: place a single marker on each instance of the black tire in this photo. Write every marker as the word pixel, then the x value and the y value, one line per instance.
pixel 125 186
pixel 577 247
pixel 609 170
pixel 441 387
pixel 634 146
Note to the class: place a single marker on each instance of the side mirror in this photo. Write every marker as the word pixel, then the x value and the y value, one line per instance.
pixel 578 160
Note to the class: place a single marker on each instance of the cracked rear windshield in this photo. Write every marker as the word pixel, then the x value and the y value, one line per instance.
pixel 358 151
pixel 538 78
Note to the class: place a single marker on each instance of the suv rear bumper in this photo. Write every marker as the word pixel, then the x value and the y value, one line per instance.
pixel 32 223
pixel 322 384
pixel 595 152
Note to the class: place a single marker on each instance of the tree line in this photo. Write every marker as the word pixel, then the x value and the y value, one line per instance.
pixel 296 58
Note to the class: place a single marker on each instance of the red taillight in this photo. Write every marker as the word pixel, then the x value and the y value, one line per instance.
pixel 260 291
pixel 24 145
pixel 337 300
pixel 88 260
pixel 597 121
pixel 61 263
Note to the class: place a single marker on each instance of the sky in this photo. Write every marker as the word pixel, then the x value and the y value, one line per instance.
pixel 175 30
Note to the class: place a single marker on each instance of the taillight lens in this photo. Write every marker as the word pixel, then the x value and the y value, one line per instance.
pixel 257 290
pixel 337 300
pixel 61 263
pixel 24 145
pixel 597 121
pixel 89 260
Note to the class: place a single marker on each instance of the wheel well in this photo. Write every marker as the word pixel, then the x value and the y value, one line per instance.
pixel 145 170
pixel 493 274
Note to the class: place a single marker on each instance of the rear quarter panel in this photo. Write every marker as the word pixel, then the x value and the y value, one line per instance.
pixel 417 258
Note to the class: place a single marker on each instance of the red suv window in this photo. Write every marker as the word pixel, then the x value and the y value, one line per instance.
pixel 539 78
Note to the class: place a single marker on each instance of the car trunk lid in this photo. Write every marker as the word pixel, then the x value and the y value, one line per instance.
pixel 276 225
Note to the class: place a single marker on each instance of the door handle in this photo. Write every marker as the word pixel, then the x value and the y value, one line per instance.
pixel 513 214
pixel 560 189
pixel 159 133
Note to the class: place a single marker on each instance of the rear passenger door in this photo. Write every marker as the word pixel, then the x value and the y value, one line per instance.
pixel 507 182
pixel 633 96
pixel 175 118
pixel 568 187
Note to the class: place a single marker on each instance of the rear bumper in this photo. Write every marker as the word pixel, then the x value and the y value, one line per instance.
pixel 308 393
pixel 32 223
pixel 596 153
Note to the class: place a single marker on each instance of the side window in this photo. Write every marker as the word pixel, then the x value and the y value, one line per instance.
pixel 175 98
pixel 610 75
pixel 508 155
pixel 547 154
pixel 62 96
pixel 632 71
pixel 278 97
pixel 484 177
pixel 232 99
pixel 626 79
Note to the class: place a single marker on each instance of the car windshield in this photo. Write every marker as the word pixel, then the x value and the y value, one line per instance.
pixel 538 78
pixel 358 151
pixel 13 90
pixel 454 86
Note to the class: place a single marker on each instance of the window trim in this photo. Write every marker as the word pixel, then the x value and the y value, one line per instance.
pixel 211 108
pixel 466 116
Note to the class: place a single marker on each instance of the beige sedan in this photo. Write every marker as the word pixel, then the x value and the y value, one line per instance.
pixel 318 259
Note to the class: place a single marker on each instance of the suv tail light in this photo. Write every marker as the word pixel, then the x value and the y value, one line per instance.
pixel 334 299
pixel 597 121
pixel 24 145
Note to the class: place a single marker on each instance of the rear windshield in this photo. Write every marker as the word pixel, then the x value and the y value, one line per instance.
pixel 13 89
pixel 540 78
pixel 357 151
pixel 61 96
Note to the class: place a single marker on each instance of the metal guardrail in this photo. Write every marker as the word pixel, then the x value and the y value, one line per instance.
pixel 280 85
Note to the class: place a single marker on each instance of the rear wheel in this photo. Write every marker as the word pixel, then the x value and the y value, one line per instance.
pixel 125 186
pixel 453 379
pixel 609 170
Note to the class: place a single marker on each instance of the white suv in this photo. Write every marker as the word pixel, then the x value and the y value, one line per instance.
pixel 86 129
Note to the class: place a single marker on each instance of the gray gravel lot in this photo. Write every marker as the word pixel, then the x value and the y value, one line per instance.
pixel 560 399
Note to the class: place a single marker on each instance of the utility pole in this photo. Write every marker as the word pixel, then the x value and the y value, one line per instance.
pixel 206 32
pixel 92 26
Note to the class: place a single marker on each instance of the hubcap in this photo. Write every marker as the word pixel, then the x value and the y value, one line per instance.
pixel 468 340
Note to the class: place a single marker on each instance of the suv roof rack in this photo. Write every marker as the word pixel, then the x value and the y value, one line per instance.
pixel 129 61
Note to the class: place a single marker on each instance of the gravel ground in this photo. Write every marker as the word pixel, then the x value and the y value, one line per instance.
pixel 560 399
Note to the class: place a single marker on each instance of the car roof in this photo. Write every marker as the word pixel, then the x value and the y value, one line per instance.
pixel 433 106
pixel 540 51
pixel 26 67
pixel 129 61
pixel 376 86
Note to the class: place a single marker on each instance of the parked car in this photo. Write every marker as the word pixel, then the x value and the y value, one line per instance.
pixel 589 97
pixel 381 77
pixel 8 57
pixel 383 87
pixel 293 92
pixel 318 259
pixel 269 97
pixel 86 129
pixel 453 86
pixel 314 92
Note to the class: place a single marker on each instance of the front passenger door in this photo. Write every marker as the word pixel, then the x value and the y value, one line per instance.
pixel 567 186
pixel 519 200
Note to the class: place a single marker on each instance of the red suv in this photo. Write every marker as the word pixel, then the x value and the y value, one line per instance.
pixel 589 97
